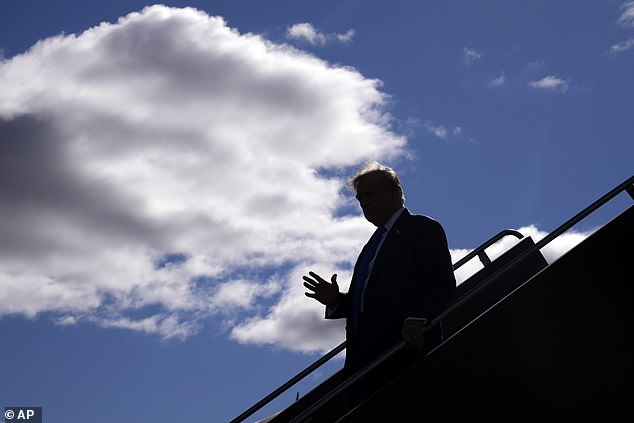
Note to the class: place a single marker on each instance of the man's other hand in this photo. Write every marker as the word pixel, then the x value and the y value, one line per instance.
pixel 412 332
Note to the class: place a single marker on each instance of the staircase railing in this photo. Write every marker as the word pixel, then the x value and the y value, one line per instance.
pixel 482 255
pixel 292 381
pixel 627 185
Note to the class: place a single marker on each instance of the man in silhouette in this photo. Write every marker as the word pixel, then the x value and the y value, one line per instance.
pixel 402 279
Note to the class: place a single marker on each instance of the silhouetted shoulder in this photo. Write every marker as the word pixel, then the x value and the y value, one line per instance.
pixel 420 222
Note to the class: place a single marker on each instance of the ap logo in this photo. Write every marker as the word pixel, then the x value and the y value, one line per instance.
pixel 23 415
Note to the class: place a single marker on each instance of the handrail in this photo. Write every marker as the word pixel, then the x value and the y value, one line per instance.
pixel 322 360
pixel 292 381
pixel 480 250
pixel 627 185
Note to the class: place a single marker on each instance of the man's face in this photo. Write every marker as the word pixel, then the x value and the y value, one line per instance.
pixel 377 201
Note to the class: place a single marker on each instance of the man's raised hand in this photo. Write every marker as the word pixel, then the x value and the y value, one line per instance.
pixel 323 291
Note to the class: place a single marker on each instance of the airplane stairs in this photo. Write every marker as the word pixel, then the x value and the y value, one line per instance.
pixel 524 340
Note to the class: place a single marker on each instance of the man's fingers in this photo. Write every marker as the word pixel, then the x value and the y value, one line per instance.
pixel 417 341
pixel 413 333
pixel 414 341
pixel 317 277
pixel 310 283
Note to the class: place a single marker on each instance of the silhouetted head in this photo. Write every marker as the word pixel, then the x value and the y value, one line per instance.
pixel 378 191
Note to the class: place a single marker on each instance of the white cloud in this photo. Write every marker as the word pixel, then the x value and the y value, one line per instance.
pixel 470 56
pixel 621 47
pixel 498 81
pixel 535 65
pixel 627 16
pixel 550 83
pixel 307 32
pixel 240 293
pixel 346 37
pixel 626 20
pixel 166 170
pixel 441 131
pixel 166 326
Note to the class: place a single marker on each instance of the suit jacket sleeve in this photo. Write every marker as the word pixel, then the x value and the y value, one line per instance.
pixel 340 310
pixel 436 266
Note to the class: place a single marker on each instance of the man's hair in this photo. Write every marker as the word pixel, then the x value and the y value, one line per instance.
pixel 387 174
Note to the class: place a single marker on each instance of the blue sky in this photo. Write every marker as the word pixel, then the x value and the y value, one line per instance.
pixel 167 174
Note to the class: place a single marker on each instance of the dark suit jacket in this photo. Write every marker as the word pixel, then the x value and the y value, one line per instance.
pixel 412 277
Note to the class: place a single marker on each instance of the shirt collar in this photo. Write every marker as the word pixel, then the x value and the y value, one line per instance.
pixel 388 225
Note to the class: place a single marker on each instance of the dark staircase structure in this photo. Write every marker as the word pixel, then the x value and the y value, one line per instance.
pixel 524 340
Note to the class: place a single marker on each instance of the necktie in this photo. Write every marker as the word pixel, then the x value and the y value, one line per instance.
pixel 361 274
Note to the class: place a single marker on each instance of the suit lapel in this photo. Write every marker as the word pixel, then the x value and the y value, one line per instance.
pixel 391 239
pixel 356 264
